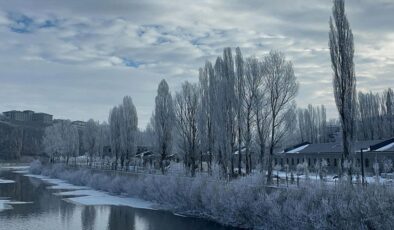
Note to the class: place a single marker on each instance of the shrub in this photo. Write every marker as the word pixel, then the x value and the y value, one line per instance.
pixel 245 204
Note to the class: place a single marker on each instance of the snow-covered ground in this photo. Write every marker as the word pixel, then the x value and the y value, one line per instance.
pixel 330 178
pixel 23 167
pixel 84 195
pixel 3 181
pixel 5 203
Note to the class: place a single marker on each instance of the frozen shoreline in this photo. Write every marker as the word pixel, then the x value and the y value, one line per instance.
pixel 240 203
pixel 83 195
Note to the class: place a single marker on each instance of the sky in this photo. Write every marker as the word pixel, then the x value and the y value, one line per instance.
pixel 77 59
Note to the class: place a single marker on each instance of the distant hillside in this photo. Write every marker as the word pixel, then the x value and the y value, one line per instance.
pixel 20 139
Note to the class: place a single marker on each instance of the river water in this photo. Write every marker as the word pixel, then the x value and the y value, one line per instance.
pixel 36 207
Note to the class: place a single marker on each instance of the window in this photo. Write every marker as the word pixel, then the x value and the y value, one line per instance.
pixel 292 161
pixel 366 163
pixel 298 161
pixel 281 161
pixel 328 161
pixel 314 161
pixel 276 161
pixel 287 160
pixel 309 161
pixel 358 162
pixel 335 162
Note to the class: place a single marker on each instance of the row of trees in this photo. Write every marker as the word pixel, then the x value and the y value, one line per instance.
pixel 123 127
pixel 375 115
pixel 312 124
pixel 239 106
pixel 237 102
pixel 61 139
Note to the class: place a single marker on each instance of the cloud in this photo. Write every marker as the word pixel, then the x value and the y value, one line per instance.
pixel 76 59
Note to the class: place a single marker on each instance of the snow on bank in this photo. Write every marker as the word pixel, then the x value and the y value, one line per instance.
pixel 83 195
pixel 7 204
pixel 3 181
pixel 21 171
pixel 15 167
pixel 56 183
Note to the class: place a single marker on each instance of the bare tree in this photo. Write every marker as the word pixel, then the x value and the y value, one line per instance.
pixel 90 139
pixel 61 140
pixel 312 124
pixel 205 114
pixel 344 79
pixel 114 126
pixel 164 121
pixel 129 130
pixel 282 88
pixel 253 84
pixel 186 108
pixel 220 118
pixel 240 94
pixel 229 101
pixel 389 105
pixel 263 121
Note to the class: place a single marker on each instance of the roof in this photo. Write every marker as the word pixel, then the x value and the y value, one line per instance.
pixel 335 147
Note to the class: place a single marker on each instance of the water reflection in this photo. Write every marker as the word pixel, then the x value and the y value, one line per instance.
pixel 49 212
pixel 88 217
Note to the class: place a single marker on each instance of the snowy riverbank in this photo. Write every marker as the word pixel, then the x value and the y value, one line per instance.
pixel 312 205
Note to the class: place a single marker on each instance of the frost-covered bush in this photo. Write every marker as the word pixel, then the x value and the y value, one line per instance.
pixel 245 202
pixel 35 167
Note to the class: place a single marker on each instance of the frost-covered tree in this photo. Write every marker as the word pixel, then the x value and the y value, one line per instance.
pixel 206 113
pixel 225 111
pixel 240 96
pixel 389 109
pixel 104 138
pixel 387 165
pixel 164 121
pixel 61 140
pixel 52 142
pixel 186 105
pixel 229 102
pixel 344 78
pixel 253 99
pixel 128 130
pixel 282 87
pixel 312 124
pixel 114 120
pixel 91 139
pixel 374 115
pixel 263 121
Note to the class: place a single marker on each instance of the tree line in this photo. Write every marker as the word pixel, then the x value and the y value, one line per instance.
pixel 237 115
pixel 237 105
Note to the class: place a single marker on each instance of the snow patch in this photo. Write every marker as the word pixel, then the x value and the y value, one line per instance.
pixel 298 149
pixel 57 183
pixel 2 181
pixel 101 198
pixel 21 171
pixel 7 204
pixel 87 196
pixel 16 167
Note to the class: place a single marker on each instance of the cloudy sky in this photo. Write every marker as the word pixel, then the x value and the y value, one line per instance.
pixel 76 59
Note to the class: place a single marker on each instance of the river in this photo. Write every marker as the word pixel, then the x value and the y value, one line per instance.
pixel 27 203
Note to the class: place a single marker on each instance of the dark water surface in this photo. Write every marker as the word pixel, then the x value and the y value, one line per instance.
pixel 48 211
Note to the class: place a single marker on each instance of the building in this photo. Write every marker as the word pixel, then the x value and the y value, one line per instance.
pixel 79 124
pixel 42 118
pixel 28 116
pixel 373 151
